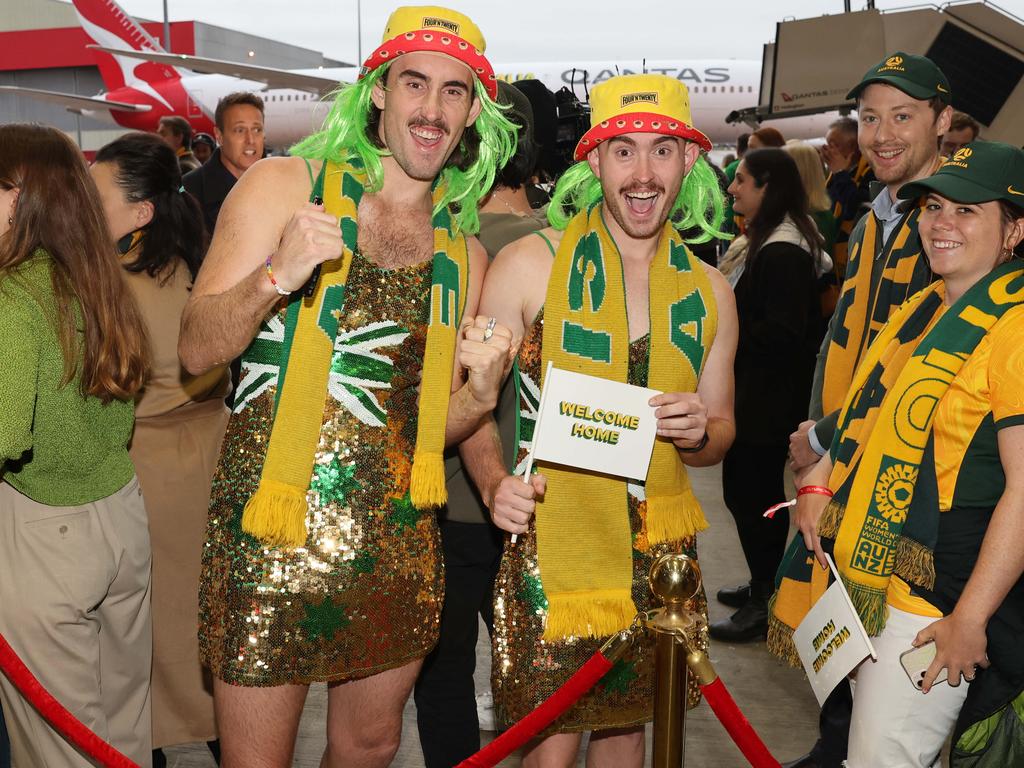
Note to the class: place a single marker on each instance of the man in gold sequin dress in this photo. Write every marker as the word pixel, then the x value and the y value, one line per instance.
pixel 322 560
pixel 611 292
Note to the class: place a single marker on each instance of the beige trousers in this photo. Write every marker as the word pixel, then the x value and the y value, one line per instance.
pixel 74 605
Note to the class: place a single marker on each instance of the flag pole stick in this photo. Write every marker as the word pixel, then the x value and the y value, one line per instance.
pixel 536 434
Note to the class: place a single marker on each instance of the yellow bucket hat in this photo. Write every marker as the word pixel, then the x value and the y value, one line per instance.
pixel 639 104
pixel 440 30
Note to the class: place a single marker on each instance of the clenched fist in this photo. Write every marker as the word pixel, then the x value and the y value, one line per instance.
pixel 513 502
pixel 311 237
pixel 486 353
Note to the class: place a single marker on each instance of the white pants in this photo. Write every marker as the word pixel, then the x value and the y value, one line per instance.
pixel 894 724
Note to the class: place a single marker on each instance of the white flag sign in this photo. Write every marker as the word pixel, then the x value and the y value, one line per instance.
pixel 595 424
pixel 831 640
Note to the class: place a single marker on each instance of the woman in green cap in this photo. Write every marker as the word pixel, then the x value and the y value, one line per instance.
pixel 920 500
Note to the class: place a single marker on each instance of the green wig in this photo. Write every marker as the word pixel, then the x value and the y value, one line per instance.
pixel 486 146
pixel 699 206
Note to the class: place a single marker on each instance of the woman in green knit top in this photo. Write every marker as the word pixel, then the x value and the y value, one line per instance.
pixel 74 545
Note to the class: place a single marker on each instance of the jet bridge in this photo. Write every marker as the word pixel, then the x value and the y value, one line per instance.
pixel 813 63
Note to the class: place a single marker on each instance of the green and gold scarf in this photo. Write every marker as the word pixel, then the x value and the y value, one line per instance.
pixel 584 547
pixel 884 430
pixel 277 511
pixel 905 273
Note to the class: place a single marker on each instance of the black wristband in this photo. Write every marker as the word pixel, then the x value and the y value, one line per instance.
pixel 698 447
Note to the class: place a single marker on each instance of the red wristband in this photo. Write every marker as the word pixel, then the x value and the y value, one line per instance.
pixel 814 489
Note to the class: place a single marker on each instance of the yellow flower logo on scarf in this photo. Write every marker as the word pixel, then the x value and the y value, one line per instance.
pixel 894 490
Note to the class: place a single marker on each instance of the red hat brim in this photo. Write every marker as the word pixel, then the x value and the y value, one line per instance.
pixel 435 41
pixel 638 122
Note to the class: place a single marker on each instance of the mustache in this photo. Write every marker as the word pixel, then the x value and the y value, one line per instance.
pixel 422 122
pixel 632 189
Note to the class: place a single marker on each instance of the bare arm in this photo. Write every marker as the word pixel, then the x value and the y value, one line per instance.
pixel 685 417
pixel 513 293
pixel 482 361
pixel 960 639
pixel 266 213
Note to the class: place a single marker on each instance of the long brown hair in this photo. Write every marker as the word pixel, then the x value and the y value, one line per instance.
pixel 58 211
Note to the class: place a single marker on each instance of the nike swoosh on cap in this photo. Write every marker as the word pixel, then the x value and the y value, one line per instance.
pixel 941 89
pixel 1013 191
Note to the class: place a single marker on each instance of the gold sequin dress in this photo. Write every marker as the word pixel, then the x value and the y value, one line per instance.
pixel 526 670
pixel 364 594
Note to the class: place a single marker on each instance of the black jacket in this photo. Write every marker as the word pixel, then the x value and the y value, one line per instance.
pixel 780 330
pixel 210 184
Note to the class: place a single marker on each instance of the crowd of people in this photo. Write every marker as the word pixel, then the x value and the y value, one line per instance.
pixel 266 421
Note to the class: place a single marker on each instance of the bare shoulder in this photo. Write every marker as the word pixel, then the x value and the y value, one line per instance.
pixel 250 224
pixel 530 255
pixel 723 291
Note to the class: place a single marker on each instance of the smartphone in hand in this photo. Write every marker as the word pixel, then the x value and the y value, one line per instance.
pixel 916 661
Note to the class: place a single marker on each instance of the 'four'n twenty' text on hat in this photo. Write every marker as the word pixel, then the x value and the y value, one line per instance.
pixel 639 104
pixel 437 30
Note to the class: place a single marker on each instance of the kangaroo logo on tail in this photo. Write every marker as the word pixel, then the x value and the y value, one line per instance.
pixel 108 25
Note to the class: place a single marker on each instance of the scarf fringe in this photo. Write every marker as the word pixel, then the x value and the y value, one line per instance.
pixel 427 487
pixel 276 514
pixel 596 613
pixel 780 639
pixel 831 518
pixel 870 605
pixel 671 518
pixel 915 562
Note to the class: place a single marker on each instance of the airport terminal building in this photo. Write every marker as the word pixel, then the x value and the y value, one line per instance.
pixel 43 46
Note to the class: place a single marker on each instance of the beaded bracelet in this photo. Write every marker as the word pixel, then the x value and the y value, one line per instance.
pixel 814 489
pixel 273 280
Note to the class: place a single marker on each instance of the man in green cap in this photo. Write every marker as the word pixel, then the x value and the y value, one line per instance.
pixel 903 107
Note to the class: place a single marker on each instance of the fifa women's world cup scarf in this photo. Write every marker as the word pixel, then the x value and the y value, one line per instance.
pixel 584 543
pixel 883 431
pixel 905 273
pixel 276 513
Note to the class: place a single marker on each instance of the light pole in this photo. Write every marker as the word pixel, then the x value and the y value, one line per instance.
pixel 359 33
pixel 167 30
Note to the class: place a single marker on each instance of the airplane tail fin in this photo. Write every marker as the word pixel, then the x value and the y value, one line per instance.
pixel 108 25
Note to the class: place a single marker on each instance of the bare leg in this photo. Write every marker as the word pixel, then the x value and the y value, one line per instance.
pixel 257 725
pixel 364 718
pixel 558 751
pixel 619 748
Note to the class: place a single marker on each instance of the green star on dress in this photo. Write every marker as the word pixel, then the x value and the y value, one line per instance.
pixel 334 481
pixel 403 513
pixel 532 593
pixel 619 677
pixel 323 620
pixel 364 562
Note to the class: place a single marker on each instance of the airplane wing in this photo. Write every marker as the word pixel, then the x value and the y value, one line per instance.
pixel 73 102
pixel 274 78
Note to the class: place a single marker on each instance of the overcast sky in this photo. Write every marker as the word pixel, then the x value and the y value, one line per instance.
pixel 523 30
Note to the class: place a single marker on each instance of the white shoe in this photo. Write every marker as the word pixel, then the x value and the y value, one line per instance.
pixel 485 711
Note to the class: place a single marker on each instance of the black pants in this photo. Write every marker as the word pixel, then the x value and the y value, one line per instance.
pixel 5 745
pixel 752 480
pixel 834 727
pixel 445 697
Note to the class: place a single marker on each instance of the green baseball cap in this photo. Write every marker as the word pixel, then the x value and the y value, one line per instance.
pixel 978 172
pixel 916 76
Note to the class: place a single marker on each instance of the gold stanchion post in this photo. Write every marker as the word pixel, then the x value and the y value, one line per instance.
pixel 673 579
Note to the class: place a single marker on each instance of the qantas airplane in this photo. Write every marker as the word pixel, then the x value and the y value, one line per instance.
pixel 145 83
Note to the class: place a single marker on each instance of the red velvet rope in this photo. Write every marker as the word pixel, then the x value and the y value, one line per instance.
pixel 597 666
pixel 63 721
pixel 737 725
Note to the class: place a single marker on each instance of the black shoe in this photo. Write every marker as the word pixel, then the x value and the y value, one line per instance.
pixel 807 761
pixel 159 759
pixel 734 597
pixel 748 623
